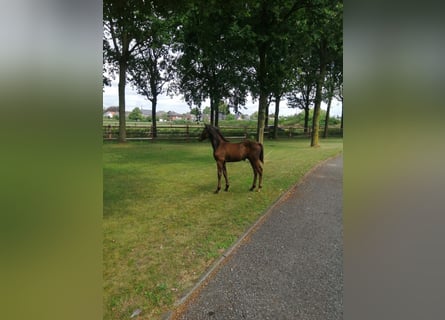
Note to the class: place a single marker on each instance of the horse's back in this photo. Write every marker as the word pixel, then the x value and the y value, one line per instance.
pixel 232 152
pixel 253 145
pixel 255 150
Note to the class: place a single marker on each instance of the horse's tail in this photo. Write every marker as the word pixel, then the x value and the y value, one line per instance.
pixel 261 153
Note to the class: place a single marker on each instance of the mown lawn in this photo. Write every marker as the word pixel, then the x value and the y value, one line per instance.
pixel 162 224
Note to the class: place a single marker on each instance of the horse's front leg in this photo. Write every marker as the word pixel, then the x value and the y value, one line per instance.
pixel 219 168
pixel 226 177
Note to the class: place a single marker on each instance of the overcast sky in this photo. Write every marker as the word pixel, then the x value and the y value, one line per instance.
pixel 177 103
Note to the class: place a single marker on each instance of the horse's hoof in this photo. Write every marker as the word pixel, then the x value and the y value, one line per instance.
pixel 226 189
pixel 216 191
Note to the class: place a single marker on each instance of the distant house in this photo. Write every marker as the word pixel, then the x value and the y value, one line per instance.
pixel 110 112
pixel 190 117
pixel 171 116
pixel 161 116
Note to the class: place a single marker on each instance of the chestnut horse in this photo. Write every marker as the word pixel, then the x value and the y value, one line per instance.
pixel 225 151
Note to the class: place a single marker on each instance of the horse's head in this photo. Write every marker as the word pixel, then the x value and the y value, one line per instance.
pixel 205 133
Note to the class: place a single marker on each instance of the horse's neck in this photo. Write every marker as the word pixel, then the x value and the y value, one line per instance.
pixel 216 140
pixel 221 137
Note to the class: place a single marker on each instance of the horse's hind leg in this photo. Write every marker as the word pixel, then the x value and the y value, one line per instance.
pixel 257 171
pixel 260 173
pixel 225 177
pixel 254 175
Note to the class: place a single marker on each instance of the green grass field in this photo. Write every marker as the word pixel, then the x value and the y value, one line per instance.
pixel 163 225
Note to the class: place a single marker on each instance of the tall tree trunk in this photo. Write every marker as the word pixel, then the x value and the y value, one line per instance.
pixel 307 108
pixel 121 92
pixel 277 113
pixel 261 117
pixel 212 111
pixel 154 129
pixel 316 116
pixel 263 93
pixel 341 123
pixel 217 113
pixel 306 119
pixel 154 99
pixel 326 121
pixel 317 104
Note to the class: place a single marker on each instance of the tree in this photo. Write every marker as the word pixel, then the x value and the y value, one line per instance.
pixel 136 115
pixel 197 113
pixel 122 22
pixel 151 68
pixel 231 47
pixel 106 81
pixel 208 66
pixel 268 27
pixel 281 73
pixel 334 82
pixel 339 96
pixel 303 94
pixel 126 24
pixel 326 26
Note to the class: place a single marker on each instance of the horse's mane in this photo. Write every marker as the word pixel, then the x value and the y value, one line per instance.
pixel 215 130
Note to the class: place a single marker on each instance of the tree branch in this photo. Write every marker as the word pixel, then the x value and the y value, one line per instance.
pixel 297 6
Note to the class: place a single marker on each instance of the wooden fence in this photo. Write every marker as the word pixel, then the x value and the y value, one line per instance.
pixel 192 132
